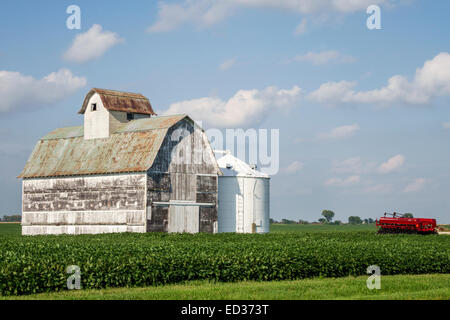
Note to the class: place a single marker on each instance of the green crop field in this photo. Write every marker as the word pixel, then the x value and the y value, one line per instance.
pixel 9 229
pixel 38 264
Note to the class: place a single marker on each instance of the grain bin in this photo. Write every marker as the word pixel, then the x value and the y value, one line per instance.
pixel 244 196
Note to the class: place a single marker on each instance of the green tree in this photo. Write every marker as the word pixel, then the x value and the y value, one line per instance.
pixel 13 218
pixel 322 220
pixel 328 214
pixel 354 220
pixel 287 221
pixel 408 215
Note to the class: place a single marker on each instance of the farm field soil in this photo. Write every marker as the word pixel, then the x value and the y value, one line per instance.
pixel 400 287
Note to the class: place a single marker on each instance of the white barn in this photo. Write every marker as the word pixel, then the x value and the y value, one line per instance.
pixel 124 170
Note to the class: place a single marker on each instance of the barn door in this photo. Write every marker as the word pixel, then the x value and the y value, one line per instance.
pixel 183 218
pixel 192 217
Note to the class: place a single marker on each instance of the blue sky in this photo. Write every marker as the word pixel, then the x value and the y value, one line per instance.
pixel 363 114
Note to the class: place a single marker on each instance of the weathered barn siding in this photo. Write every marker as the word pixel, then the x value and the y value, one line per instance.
pixel 184 173
pixel 90 204
pixel 117 119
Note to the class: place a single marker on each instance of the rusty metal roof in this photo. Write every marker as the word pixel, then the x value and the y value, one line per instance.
pixel 162 122
pixel 132 148
pixel 62 133
pixel 120 101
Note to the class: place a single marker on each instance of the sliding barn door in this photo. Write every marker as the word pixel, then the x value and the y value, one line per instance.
pixel 183 218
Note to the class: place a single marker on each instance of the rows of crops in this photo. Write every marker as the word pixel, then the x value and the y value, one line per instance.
pixel 38 264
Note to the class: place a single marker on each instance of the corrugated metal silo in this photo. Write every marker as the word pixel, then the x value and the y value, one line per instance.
pixel 244 196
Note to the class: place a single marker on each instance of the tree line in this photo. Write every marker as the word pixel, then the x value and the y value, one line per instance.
pixel 12 218
pixel 327 218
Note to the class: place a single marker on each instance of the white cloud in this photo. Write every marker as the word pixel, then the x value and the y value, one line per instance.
pixel 324 57
pixel 91 45
pixel 416 185
pixel 244 108
pixel 353 166
pixel 294 167
pixel 301 27
pixel 432 80
pixel 227 64
pixel 19 91
pixel 340 182
pixel 378 188
pixel 339 132
pixel 357 166
pixel 392 164
pixel 209 12
pixel 446 125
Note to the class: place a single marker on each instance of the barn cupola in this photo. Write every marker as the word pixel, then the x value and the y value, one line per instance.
pixel 106 110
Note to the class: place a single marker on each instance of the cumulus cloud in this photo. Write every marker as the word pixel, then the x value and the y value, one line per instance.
pixel 430 81
pixel 342 182
pixel 294 167
pixel 227 64
pixel 357 166
pixel 19 91
pixel 323 57
pixel 91 45
pixel 353 166
pixel 210 12
pixel 416 185
pixel 301 27
pixel 392 164
pixel 339 132
pixel 244 108
pixel 378 188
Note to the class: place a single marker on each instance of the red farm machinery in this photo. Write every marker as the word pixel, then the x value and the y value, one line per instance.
pixel 398 223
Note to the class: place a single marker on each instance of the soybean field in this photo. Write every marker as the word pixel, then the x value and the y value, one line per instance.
pixel 39 264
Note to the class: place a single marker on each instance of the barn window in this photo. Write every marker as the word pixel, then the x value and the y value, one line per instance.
pixel 130 116
pixel 94 107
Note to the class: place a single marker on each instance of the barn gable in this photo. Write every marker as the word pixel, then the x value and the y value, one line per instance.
pixel 120 101
pixel 182 185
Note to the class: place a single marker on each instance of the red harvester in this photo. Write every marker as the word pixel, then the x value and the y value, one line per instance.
pixel 399 224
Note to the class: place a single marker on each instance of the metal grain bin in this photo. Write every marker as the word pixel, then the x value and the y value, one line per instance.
pixel 244 196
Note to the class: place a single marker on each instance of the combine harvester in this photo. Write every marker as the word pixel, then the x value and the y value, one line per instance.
pixel 400 224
